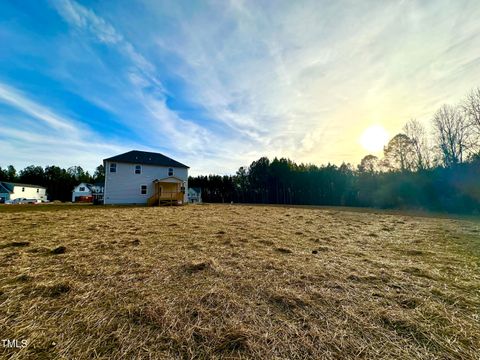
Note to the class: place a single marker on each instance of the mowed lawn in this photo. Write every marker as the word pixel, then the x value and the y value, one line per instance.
pixel 228 281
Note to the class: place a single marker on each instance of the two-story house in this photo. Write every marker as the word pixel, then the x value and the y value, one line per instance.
pixel 13 191
pixel 140 177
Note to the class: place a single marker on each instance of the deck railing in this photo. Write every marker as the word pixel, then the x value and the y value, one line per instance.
pixel 166 197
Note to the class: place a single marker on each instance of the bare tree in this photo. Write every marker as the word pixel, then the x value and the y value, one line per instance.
pixel 399 154
pixel 417 134
pixel 452 134
pixel 471 107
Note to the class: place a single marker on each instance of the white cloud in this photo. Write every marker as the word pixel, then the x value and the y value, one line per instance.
pixel 145 88
pixel 36 134
pixel 16 99
pixel 296 79
pixel 305 79
pixel 84 18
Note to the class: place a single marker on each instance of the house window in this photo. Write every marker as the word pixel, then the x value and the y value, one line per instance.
pixel 143 189
pixel 23 189
pixel 170 171
pixel 38 190
pixel 82 188
pixel 113 167
pixel 138 169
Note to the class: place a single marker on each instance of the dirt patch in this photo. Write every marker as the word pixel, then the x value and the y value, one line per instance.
pixel 58 289
pixel 267 242
pixel 283 250
pixel 59 250
pixel 16 244
pixel 413 252
pixel 234 340
pixel 197 266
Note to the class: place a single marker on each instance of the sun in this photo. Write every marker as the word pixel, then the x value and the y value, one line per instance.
pixel 374 138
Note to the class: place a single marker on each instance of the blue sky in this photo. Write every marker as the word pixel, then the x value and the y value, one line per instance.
pixel 217 84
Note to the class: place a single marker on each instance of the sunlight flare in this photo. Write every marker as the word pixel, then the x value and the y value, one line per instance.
pixel 374 138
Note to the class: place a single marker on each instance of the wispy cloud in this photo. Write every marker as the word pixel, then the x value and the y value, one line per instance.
pixel 314 75
pixel 144 85
pixel 16 99
pixel 38 135
pixel 297 79
pixel 84 19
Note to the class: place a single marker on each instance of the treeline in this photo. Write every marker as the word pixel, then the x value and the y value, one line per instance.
pixel 440 172
pixel 59 182
pixel 455 189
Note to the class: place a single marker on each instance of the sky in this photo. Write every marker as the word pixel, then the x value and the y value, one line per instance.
pixel 218 84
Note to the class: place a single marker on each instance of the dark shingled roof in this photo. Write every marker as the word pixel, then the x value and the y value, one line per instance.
pixel 145 158
pixel 10 185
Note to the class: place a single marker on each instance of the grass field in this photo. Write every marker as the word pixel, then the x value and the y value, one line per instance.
pixel 217 281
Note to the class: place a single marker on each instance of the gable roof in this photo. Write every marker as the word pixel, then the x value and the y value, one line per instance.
pixel 168 178
pixel 146 158
pixel 10 185
pixel 87 185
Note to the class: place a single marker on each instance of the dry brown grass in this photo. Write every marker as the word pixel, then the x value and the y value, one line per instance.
pixel 211 282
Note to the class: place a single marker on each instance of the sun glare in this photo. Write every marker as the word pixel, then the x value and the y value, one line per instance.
pixel 374 138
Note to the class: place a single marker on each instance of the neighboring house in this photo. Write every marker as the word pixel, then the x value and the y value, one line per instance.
pixel 194 195
pixel 82 193
pixel 12 191
pixel 140 177
pixel 85 192
pixel 97 192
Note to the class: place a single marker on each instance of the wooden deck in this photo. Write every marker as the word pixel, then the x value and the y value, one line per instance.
pixel 166 198
pixel 168 192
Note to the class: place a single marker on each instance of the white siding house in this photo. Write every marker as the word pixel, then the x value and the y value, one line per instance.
pixel 85 191
pixel 81 190
pixel 12 191
pixel 194 195
pixel 139 177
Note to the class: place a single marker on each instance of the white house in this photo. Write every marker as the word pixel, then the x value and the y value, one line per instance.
pixel 85 192
pixel 12 191
pixel 80 191
pixel 194 195
pixel 140 177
